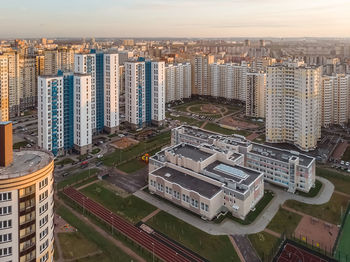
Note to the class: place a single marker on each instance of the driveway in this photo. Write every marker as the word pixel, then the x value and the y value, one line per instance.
pixel 230 227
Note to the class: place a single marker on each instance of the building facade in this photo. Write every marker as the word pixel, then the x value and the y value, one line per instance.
pixel 177 81
pixel 26 205
pixel 205 180
pixel 288 169
pixel 293 105
pixel 256 95
pixel 4 89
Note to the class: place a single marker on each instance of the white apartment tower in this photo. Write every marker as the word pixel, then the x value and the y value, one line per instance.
pixel 200 75
pixel 158 92
pixel 335 100
pixel 255 95
pixel 293 112
pixel 4 89
pixel 135 92
pixel 178 81
pixel 86 64
pixel 82 113
pixel 111 92
pixel 50 113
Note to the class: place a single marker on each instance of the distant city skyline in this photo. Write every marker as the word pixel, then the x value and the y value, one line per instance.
pixel 175 18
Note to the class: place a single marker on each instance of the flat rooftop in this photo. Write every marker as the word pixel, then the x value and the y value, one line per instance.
pixel 197 132
pixel 280 154
pixel 188 182
pixel 25 162
pixel 239 174
pixel 190 151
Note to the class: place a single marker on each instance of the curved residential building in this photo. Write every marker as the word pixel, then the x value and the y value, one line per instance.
pixel 26 202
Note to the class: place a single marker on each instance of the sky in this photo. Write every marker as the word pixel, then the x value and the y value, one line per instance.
pixel 174 18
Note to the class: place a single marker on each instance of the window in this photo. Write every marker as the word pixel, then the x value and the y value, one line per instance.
pixel 44 233
pixel 7 251
pixel 43 208
pixel 43 196
pixel 43 183
pixel 5 210
pixel 5 224
pixel 45 257
pixel 44 246
pixel 5 196
pixel 6 238
pixel 43 221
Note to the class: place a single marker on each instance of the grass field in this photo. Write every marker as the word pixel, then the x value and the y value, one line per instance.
pixel 343 248
pixel 346 156
pixel 218 129
pixel 73 178
pixel 340 181
pixel 20 144
pixel 264 244
pixel 110 251
pixel 187 120
pixel 330 212
pixel 284 222
pixel 131 208
pixel 214 248
pixel 132 166
pixel 95 150
pixel 313 191
pixel 65 161
pixel 75 245
pixel 98 257
pixel 119 156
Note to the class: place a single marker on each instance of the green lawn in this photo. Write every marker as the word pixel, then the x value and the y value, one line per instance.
pixel 74 178
pixel 214 248
pixel 313 191
pixel 218 129
pixel 118 155
pixel 131 208
pixel 98 257
pixel 132 166
pixel 330 212
pixel 65 161
pixel 340 181
pixel 75 245
pixel 343 250
pixel 187 120
pixel 284 222
pixel 20 144
pixel 264 244
pixel 109 250
pixel 346 156
pixel 95 150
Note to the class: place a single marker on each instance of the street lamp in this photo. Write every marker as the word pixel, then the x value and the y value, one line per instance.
pixel 83 206
pixel 112 222
pixel 153 251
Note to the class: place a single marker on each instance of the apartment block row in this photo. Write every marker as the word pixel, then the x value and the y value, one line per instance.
pixel 288 169
pixel 72 107
pixel 177 82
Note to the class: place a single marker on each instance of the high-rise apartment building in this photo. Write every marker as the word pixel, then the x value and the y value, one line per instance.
pixel 13 83
pixel 293 112
pixel 50 62
pixel 27 82
pixel 335 100
pixel 4 89
pixel 228 80
pixel 255 96
pixel 82 113
pixel 86 64
pixel 144 93
pixel 200 74
pixel 65 59
pixel 178 81
pixel 111 92
pixel 26 202
pixel 50 113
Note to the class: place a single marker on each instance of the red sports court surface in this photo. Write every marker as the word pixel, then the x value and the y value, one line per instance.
pixel 165 251
pixel 294 254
